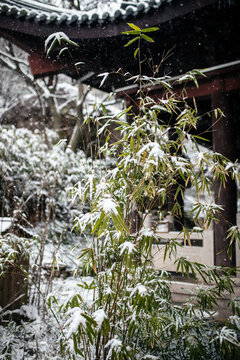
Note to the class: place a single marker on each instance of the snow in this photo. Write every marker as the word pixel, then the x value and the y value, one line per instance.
pixel 108 205
pixel 59 37
pixel 197 229
pixel 234 319
pixel 228 334
pixel 114 345
pixel 5 223
pixel 146 232
pixel 185 78
pixel 85 219
pixel 29 311
pixel 141 289
pixel 153 149
pixel 62 255
pixel 108 291
pixel 127 245
pixel 99 316
pixel 76 319
pixel 104 77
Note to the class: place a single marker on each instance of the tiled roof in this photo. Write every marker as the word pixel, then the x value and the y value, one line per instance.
pixel 44 14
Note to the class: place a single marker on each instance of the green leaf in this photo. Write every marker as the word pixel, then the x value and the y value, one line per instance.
pixel 120 224
pixel 89 319
pixel 99 222
pixel 132 143
pixel 135 27
pixel 84 252
pixel 131 41
pixel 131 32
pixel 200 138
pixel 136 52
pixel 150 29
pixel 123 112
pixel 75 344
pixel 70 42
pixel 147 38
pixel 123 123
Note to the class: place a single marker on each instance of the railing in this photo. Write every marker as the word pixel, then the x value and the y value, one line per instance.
pixel 200 248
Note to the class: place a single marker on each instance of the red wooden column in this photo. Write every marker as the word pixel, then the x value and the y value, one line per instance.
pixel 224 143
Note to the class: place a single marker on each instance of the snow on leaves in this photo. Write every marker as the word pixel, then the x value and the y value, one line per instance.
pixel 76 319
pixel 128 246
pixel 154 150
pixel 114 346
pixel 108 205
pixel 58 37
pixel 99 316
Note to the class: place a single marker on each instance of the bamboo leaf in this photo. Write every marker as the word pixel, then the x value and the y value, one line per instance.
pixel 79 63
pixel 51 46
pixel 136 52
pixel 131 41
pixel 120 224
pixel 131 32
pixel 147 38
pixel 62 50
pixel 150 29
pixel 133 26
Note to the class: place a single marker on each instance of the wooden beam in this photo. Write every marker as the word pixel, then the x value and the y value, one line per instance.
pixel 224 77
pixel 16 40
pixel 224 83
pixel 42 66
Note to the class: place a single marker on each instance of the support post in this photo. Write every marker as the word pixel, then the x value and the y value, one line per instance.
pixel 224 143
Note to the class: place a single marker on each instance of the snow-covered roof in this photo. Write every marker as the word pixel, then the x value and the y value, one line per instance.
pixel 42 13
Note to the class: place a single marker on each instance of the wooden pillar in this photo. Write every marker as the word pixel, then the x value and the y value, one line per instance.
pixel 178 220
pixel 224 143
pixel 13 285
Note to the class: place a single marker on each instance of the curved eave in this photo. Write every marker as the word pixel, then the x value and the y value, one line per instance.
pixel 40 24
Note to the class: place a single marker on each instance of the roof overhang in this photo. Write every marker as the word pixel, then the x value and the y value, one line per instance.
pixel 25 17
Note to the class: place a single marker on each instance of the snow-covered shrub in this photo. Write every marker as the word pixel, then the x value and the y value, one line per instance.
pixel 36 176
pixel 13 248
pixel 29 340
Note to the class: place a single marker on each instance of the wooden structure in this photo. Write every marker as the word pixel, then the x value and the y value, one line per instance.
pixel 200 34
pixel 13 283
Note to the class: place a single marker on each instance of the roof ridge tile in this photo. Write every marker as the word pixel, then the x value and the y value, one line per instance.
pixel 47 13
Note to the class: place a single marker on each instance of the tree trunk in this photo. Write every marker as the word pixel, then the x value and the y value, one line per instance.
pixel 80 131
